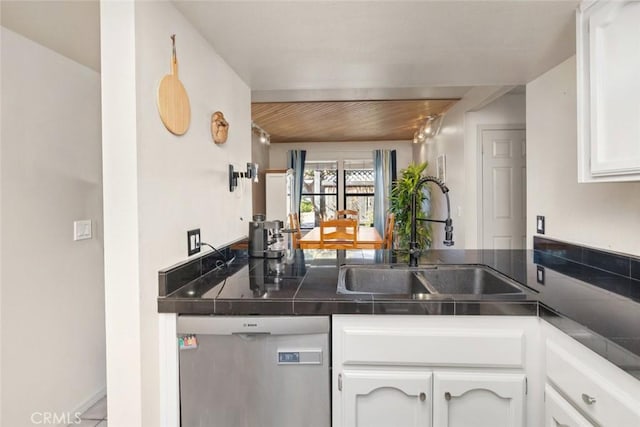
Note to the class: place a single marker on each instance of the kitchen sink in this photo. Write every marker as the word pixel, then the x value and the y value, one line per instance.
pixel 420 281
pixel 472 280
pixel 380 280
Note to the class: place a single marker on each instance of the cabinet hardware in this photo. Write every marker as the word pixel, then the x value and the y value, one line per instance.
pixel 588 399
pixel 447 396
pixel 340 382
pixel 423 397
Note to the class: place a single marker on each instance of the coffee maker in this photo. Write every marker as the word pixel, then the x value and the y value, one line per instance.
pixel 265 238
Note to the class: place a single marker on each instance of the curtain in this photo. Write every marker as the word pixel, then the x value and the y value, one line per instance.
pixel 384 166
pixel 295 161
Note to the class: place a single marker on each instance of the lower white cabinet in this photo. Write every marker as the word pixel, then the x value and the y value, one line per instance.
pixel 386 398
pixel 558 412
pixel 463 399
pixel 595 387
pixel 404 371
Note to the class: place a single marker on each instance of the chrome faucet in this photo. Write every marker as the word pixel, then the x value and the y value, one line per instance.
pixel 414 251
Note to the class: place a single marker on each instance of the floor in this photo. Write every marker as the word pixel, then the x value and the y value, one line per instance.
pixel 96 416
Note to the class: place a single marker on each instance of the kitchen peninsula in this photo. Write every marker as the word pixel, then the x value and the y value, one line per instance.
pixel 562 298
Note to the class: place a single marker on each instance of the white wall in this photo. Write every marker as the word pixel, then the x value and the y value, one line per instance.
pixel 259 155
pixel 458 141
pixel 340 151
pixel 182 182
pixel 508 110
pixel 53 353
pixel 603 215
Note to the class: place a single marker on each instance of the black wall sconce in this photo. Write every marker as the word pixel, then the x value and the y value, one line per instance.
pixel 251 173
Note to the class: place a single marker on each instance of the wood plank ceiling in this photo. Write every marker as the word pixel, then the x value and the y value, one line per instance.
pixel 330 121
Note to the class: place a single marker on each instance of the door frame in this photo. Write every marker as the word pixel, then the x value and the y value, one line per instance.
pixel 480 172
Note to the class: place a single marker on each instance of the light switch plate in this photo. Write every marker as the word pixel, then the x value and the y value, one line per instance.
pixel 82 229
pixel 193 241
pixel 540 224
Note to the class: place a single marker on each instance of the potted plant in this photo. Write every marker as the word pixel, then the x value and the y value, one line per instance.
pixel 401 194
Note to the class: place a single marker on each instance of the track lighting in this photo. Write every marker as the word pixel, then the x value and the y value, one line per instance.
pixel 429 129
pixel 265 138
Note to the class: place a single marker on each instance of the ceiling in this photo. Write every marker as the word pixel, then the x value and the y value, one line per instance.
pixel 288 46
pixel 345 120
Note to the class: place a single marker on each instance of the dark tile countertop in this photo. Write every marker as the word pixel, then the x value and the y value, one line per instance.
pixel 596 307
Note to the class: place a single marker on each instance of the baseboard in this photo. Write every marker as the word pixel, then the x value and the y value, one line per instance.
pixel 95 398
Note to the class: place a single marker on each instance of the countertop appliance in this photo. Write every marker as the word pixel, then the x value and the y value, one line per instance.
pixel 265 238
pixel 254 371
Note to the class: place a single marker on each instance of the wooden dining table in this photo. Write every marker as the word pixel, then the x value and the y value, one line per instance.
pixel 368 238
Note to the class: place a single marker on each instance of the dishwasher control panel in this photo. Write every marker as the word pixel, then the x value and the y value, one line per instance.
pixel 300 356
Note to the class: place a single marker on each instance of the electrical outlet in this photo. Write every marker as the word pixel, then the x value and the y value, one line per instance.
pixel 193 241
pixel 540 274
pixel 540 224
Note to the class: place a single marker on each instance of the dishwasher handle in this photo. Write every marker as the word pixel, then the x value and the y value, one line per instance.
pixel 253 325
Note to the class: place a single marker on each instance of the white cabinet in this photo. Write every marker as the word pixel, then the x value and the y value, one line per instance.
pixel 434 370
pixel 608 65
pixel 595 387
pixel 463 399
pixel 560 413
pixel 386 398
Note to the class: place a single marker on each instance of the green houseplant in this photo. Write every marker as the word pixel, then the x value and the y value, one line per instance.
pixel 401 194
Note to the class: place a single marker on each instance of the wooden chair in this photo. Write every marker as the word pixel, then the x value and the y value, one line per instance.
pixel 339 234
pixel 296 235
pixel 347 213
pixel 388 231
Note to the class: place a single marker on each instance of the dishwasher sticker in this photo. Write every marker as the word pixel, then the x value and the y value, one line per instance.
pixel 188 342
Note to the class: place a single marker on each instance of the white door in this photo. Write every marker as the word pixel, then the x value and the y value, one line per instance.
pixel 465 399
pixel 504 194
pixel 559 413
pixel 385 399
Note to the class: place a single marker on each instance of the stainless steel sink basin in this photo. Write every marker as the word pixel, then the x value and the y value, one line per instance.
pixel 471 280
pixel 437 280
pixel 382 279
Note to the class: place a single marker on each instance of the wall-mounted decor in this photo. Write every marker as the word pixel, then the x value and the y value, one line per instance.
pixel 173 102
pixel 441 167
pixel 219 128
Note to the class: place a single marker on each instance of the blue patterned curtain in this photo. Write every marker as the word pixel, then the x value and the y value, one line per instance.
pixel 295 161
pixel 384 166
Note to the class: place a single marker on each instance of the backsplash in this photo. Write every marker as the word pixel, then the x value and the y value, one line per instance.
pixel 172 278
pixel 621 264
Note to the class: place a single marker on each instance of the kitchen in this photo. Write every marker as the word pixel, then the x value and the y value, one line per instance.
pixel 146 170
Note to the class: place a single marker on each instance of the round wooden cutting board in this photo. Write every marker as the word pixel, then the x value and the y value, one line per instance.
pixel 173 102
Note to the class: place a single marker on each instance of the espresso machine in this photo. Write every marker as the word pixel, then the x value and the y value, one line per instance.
pixel 265 238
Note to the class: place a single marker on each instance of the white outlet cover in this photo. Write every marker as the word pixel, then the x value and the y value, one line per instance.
pixel 82 229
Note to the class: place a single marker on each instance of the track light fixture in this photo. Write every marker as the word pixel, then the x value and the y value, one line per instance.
pixel 429 129
pixel 265 138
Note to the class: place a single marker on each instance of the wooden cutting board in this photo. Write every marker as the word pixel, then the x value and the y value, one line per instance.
pixel 173 101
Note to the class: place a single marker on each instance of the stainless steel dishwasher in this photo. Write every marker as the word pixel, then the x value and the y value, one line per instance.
pixel 254 371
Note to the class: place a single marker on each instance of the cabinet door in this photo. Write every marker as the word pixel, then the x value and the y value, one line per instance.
pixel 385 399
pixel 463 399
pixel 559 413
pixel 608 37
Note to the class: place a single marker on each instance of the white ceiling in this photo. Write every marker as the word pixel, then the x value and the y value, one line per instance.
pixel 341 50
pixel 302 49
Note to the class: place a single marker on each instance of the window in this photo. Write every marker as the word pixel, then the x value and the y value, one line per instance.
pixel 319 193
pixel 359 188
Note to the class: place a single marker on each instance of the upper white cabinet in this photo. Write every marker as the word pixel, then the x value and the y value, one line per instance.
pixel 608 61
